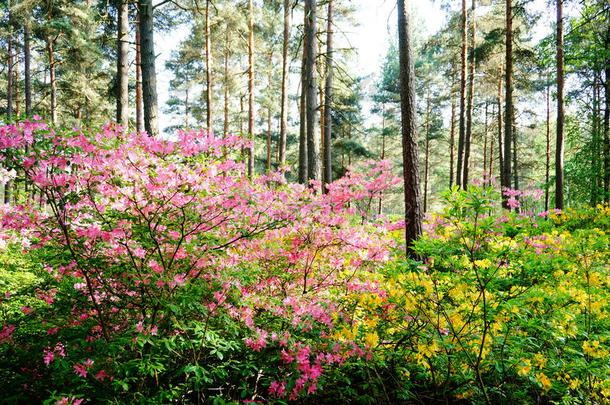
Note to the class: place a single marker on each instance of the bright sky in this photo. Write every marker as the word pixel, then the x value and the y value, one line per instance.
pixel 370 38
pixel 377 22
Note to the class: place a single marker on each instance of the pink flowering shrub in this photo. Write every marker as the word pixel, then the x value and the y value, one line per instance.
pixel 165 274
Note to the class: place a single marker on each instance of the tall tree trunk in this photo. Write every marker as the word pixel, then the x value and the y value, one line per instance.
pixel 349 152
pixel 268 139
pixel 500 123
pixel 122 63
pixel 322 108
pixel 514 170
pixel 225 130
pixel 17 85
pixel 427 157
pixel 491 149
pixel 597 188
pixel 485 142
pixel 468 136
pixel 607 119
pixel 52 79
pixel 139 102
pixel 328 123
pixel 186 108
pixel 208 68
pixel 311 111
pixel 547 166
pixel 452 143
pixel 559 151
pixel 270 83
pixel 284 106
pixel 462 133
pixel 149 76
pixel 303 126
pixel 9 92
pixel 508 114
pixel 412 195
pixel 251 87
pixel 9 81
pixel 27 60
pixel 383 145
pixel 241 110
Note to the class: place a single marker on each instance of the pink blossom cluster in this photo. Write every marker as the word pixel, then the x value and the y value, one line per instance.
pixel 142 219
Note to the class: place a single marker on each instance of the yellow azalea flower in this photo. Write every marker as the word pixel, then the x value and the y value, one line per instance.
pixel 594 279
pixel 428 350
pixel 574 384
pixel 525 369
pixel 540 360
pixel 483 264
pixel 593 349
pixel 544 380
pixel 371 339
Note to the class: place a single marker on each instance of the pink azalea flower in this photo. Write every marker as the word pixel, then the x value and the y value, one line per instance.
pixel 179 279
pixel 26 310
pixel 80 370
pixel 48 357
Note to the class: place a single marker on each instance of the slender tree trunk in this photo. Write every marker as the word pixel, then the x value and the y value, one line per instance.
pixel 225 130
pixel 462 133
pixel 139 102
pixel 452 143
pixel 322 108
pixel 9 62
pixel 52 79
pixel 284 106
pixel 559 151
pixel 303 126
pixel 44 93
pixel 313 145
pixel 508 114
pixel 413 212
pixel 270 82
pixel 595 169
pixel 122 63
pixel 547 166
pixel 208 68
pixel 383 145
pixel 491 149
pixel 17 85
pixel 251 86
pixel 9 92
pixel 186 108
pixel 485 142
pixel 500 123
pixel 149 76
pixel 268 139
pixel 328 124
pixel 427 157
pixel 27 60
pixel 607 119
pixel 241 110
pixel 468 136
pixel 515 171
pixel 349 152
pixel 597 186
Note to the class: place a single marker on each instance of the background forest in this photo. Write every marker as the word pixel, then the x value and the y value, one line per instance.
pixel 240 68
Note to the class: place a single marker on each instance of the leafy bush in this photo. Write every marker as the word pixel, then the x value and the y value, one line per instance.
pixel 161 273
pixel 504 309
pixel 139 270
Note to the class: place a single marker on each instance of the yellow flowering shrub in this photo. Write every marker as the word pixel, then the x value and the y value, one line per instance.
pixel 502 308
